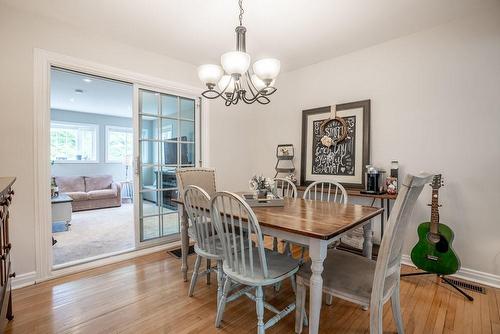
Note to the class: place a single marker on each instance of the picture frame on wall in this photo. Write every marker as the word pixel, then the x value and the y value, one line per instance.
pixel 344 162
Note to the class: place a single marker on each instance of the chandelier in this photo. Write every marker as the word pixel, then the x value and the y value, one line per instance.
pixel 234 80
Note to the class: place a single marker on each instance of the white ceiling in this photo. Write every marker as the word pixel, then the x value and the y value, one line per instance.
pixel 100 96
pixel 298 32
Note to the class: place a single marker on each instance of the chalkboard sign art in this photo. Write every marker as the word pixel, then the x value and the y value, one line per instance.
pixel 344 162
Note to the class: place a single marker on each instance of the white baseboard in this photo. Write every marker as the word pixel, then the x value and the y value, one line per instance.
pixel 23 280
pixel 467 274
pixel 31 278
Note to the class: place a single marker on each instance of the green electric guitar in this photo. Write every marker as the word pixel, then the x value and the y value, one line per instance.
pixel 433 252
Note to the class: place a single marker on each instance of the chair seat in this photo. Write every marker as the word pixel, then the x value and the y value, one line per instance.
pixel 279 267
pixel 348 276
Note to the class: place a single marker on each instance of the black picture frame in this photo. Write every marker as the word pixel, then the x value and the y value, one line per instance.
pixel 365 150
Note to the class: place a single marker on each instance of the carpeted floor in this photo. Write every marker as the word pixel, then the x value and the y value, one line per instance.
pixel 104 231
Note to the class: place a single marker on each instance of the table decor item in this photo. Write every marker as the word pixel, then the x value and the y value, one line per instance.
pixel 262 186
pixel 336 148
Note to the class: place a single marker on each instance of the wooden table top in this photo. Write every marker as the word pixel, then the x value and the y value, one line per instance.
pixel 320 220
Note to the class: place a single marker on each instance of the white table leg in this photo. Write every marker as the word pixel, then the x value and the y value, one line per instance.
pixel 317 252
pixel 184 242
pixel 368 239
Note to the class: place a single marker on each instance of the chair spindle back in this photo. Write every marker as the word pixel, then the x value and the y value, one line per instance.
pixel 327 191
pixel 240 234
pixel 197 206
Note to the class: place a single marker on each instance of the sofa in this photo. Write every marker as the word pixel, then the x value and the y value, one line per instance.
pixel 90 192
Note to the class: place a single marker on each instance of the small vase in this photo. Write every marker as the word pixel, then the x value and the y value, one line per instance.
pixel 261 193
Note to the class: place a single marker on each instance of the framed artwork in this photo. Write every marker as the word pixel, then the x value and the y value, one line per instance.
pixel 344 161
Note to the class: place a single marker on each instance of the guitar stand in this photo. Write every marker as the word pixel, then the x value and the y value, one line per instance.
pixel 453 285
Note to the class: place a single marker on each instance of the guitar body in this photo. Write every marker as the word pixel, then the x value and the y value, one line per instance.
pixel 435 257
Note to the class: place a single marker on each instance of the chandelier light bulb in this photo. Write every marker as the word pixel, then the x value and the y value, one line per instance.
pixel 259 83
pixel 210 74
pixel 226 81
pixel 235 62
pixel 267 69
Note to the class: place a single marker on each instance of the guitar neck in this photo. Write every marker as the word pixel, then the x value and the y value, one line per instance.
pixel 435 212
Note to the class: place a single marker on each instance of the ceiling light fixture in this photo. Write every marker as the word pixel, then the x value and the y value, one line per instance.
pixel 87 80
pixel 234 79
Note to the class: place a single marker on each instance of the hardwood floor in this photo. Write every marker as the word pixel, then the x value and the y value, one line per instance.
pixel 147 295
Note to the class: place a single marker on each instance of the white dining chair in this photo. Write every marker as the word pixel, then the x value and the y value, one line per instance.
pixel 246 261
pixel 326 191
pixel 203 178
pixel 285 189
pixel 207 243
pixel 364 281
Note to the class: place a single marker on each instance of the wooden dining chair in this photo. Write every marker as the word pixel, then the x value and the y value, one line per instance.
pixel 364 281
pixel 207 243
pixel 246 261
pixel 326 191
pixel 203 178
pixel 286 189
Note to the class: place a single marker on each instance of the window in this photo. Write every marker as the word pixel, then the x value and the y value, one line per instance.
pixel 73 142
pixel 119 144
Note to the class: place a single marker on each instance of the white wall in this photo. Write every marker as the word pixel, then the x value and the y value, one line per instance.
pixel 435 107
pixel 20 33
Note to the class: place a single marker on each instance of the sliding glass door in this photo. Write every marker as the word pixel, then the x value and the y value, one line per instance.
pixel 166 141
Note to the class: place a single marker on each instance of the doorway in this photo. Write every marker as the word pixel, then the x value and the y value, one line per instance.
pixel 167 225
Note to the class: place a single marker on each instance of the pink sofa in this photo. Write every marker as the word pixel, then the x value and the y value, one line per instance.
pixel 90 192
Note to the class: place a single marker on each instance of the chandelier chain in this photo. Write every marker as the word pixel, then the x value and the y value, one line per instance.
pixel 240 2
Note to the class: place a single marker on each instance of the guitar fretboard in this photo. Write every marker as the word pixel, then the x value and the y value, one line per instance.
pixel 435 212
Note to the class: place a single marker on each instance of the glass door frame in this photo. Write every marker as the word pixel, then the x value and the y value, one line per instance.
pixel 198 140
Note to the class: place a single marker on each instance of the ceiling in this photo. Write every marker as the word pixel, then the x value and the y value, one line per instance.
pixel 298 32
pixel 98 96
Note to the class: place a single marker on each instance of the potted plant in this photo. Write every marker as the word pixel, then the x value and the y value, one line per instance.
pixel 262 186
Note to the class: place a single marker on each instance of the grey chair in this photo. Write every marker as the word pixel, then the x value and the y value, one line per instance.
pixel 246 261
pixel 203 178
pixel 361 280
pixel 286 189
pixel 207 243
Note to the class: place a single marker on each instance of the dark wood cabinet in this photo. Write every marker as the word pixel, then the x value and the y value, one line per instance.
pixel 6 274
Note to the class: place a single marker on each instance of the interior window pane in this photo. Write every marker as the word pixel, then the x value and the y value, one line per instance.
pixel 169 179
pixel 187 108
pixel 169 151
pixel 187 154
pixel 169 106
pixel 168 129
pixel 150 227
pixel 148 177
pixel 187 131
pixel 149 101
pixel 170 224
pixel 167 205
pixel 149 127
pixel 150 203
pixel 149 152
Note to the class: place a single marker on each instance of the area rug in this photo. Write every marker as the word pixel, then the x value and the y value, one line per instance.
pixel 95 232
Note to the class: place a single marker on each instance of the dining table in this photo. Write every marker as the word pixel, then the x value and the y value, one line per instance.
pixel 314 224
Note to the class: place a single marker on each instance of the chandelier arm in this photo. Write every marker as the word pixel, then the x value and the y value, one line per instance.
pixel 250 84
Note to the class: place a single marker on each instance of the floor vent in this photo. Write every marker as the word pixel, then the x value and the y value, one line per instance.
pixel 467 285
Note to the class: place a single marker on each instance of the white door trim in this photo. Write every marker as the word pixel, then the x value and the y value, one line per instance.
pixel 43 61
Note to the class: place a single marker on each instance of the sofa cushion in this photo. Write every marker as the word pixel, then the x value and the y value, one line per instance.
pixel 98 182
pixel 100 194
pixel 78 195
pixel 70 183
